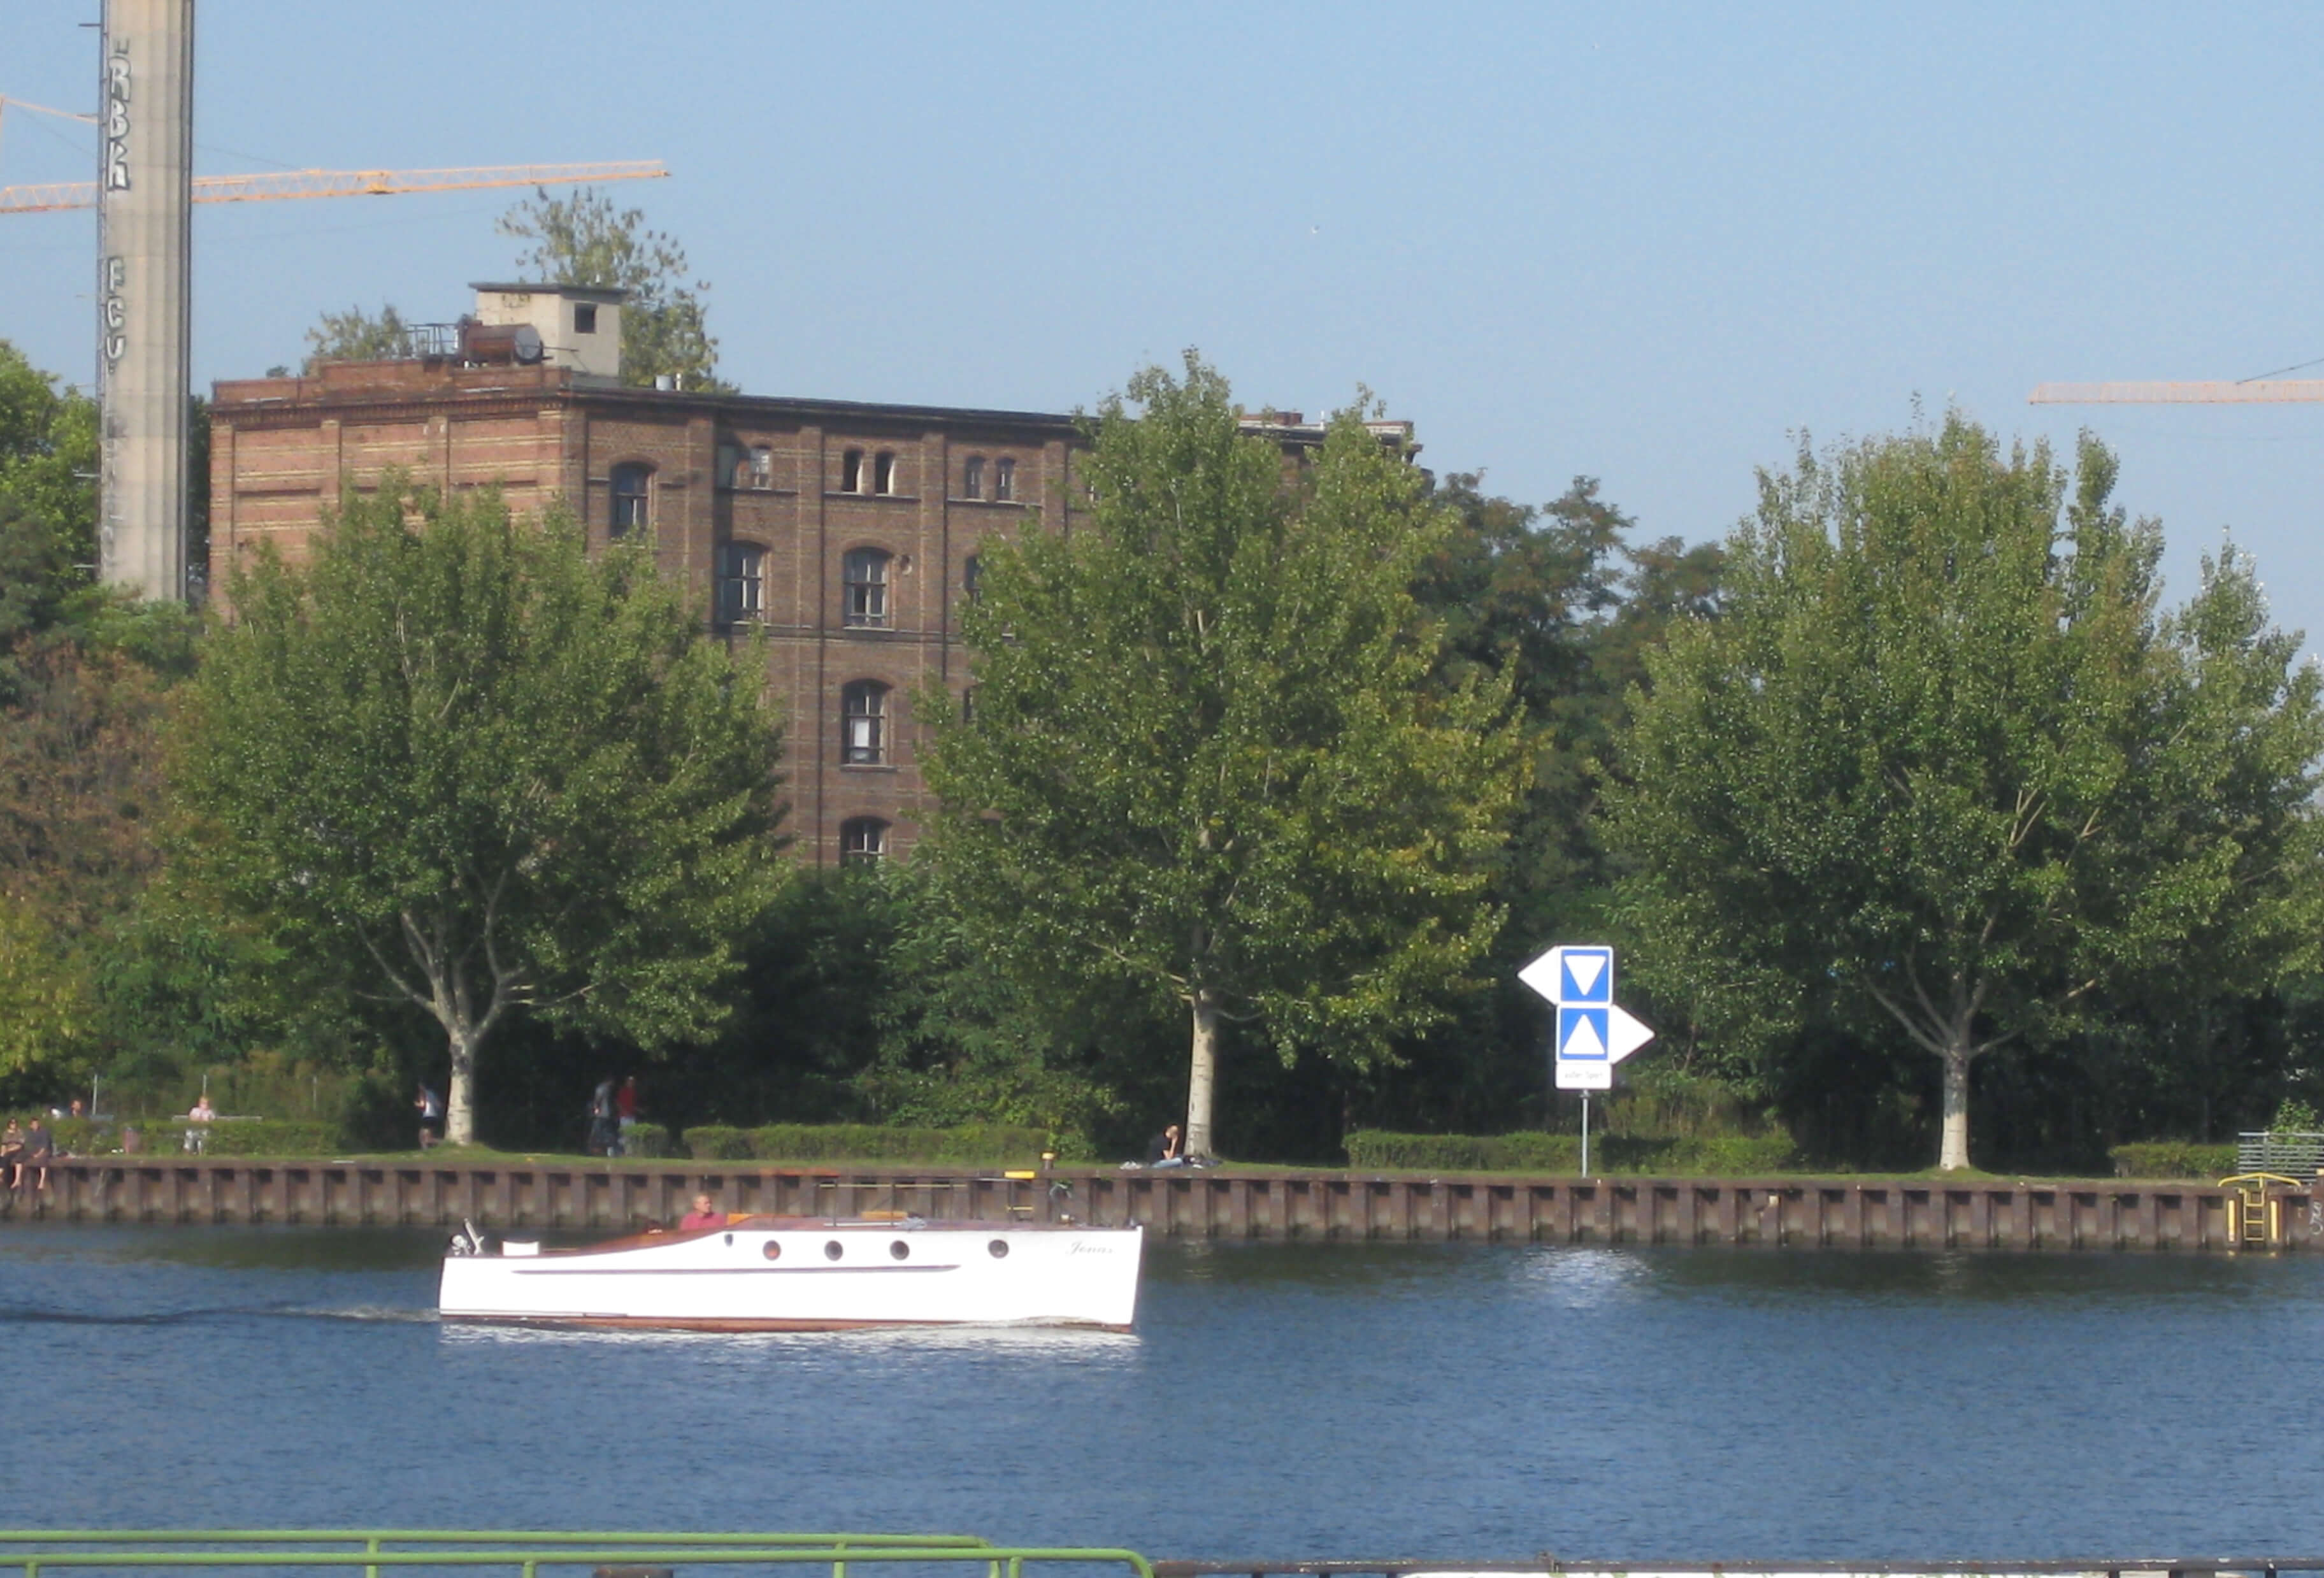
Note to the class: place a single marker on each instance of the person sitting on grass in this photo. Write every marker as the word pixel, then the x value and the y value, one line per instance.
pixel 1164 1152
pixel 704 1214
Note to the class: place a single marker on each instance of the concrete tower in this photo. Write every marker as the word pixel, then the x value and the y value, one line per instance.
pixel 144 187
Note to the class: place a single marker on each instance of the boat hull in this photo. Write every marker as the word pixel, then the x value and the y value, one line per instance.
pixel 810 1276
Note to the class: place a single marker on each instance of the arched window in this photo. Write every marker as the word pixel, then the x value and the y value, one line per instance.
pixel 851 472
pixel 972 478
pixel 741 582
pixel 863 840
pixel 632 497
pixel 864 602
pixel 883 472
pixel 1004 478
pixel 763 467
pixel 863 724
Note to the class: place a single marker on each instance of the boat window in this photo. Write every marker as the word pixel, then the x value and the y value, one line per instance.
pixel 772 1251
pixel 832 1252
pixel 901 1251
pixel 1000 1248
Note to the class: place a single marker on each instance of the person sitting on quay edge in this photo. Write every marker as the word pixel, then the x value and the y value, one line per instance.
pixel 12 1153
pixel 704 1214
pixel 33 1165
pixel 430 1108
pixel 1164 1149
pixel 202 1113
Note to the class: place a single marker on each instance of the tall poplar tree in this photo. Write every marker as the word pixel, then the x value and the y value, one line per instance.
pixel 1941 757
pixel 1204 756
pixel 464 765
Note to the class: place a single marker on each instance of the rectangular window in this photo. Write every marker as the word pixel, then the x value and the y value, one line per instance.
pixel 851 472
pixel 972 478
pixel 763 467
pixel 1004 478
pixel 742 583
pixel 584 317
pixel 864 577
pixel 884 473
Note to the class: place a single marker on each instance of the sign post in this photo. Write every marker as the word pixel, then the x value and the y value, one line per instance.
pixel 1593 1031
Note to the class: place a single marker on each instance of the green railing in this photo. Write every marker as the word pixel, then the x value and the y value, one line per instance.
pixel 33 1551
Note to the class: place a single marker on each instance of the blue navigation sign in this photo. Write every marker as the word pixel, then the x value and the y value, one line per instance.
pixel 1593 1031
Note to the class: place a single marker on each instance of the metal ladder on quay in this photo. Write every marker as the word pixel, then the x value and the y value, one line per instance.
pixel 2256 1210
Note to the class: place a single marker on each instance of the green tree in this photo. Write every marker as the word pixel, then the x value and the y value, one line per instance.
pixel 584 240
pixel 1205 758
pixel 484 773
pixel 1940 761
pixel 357 335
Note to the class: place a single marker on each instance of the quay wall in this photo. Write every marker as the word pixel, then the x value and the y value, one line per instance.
pixel 1244 1204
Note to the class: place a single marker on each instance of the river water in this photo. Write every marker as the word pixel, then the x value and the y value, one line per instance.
pixel 1276 1401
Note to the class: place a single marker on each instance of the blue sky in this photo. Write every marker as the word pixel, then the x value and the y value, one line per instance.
pixel 1647 244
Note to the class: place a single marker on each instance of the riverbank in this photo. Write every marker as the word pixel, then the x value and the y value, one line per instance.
pixel 1240 1203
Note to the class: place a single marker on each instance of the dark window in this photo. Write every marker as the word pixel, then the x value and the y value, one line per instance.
pixel 741 582
pixel 884 473
pixel 632 498
pixel 584 317
pixel 863 840
pixel 864 723
pixel 865 572
pixel 1004 478
pixel 972 478
pixel 971 576
pixel 968 705
pixel 851 472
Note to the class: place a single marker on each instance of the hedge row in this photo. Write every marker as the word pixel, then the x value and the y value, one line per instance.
pixel 167 1137
pixel 1726 1156
pixel 972 1142
pixel 2173 1159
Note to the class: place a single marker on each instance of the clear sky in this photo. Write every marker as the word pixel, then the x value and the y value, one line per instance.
pixel 1647 244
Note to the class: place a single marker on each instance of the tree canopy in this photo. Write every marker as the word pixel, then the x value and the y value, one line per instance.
pixel 477 772
pixel 1941 761
pixel 584 240
pixel 1205 757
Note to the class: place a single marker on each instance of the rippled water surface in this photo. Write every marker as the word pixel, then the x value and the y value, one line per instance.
pixel 1276 1401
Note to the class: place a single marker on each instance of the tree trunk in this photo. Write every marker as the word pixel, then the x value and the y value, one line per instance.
pixel 1952 1154
pixel 460 1096
pixel 1202 1076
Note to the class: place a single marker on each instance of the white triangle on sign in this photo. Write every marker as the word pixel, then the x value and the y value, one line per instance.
pixel 1584 968
pixel 1583 1042
pixel 1624 1034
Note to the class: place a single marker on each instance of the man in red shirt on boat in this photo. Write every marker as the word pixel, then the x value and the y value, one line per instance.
pixel 702 1215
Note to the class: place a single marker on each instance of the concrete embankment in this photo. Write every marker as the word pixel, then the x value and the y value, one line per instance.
pixel 1242 1203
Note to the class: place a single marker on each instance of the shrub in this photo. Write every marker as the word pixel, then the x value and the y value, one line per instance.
pixel 968 1142
pixel 1717 1156
pixel 716 1142
pixel 2173 1159
pixel 646 1140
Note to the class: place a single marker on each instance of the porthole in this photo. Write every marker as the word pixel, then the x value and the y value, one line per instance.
pixel 772 1250
pixel 999 1248
pixel 899 1251
pixel 832 1252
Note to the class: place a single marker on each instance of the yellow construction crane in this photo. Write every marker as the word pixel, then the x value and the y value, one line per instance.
pixel 341 183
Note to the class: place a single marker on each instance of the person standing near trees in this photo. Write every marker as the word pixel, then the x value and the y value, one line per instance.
pixel 625 1112
pixel 430 1107
pixel 601 1139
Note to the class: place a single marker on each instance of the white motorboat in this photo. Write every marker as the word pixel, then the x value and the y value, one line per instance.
pixel 769 1273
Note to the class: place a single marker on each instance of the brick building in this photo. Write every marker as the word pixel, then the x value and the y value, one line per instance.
pixel 849 532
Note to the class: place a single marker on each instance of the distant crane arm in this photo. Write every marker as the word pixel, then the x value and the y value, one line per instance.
pixel 278 185
pixel 2215 391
